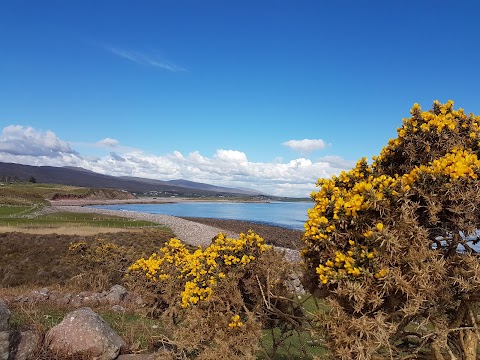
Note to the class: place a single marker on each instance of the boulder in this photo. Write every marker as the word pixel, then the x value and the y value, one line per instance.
pixel 84 332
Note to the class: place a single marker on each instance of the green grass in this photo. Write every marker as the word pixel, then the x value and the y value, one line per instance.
pixel 14 210
pixel 28 194
pixel 84 219
pixel 15 216
pixel 18 200
pixel 295 346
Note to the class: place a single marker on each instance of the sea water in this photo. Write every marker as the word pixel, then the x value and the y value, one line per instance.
pixel 291 215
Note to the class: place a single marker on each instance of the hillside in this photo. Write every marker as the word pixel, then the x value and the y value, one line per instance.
pixel 139 186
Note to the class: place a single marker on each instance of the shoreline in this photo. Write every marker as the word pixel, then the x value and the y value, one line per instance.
pixel 201 231
pixel 146 200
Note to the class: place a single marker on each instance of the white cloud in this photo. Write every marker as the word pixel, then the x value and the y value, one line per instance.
pixel 231 156
pixel 227 167
pixel 20 140
pixel 142 58
pixel 305 145
pixel 337 162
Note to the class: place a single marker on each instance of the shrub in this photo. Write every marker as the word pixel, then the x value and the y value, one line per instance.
pixel 214 301
pixel 101 263
pixel 391 245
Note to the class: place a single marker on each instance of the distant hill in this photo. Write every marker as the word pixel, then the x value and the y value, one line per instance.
pixel 81 177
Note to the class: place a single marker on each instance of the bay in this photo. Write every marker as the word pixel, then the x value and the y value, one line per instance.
pixel 291 215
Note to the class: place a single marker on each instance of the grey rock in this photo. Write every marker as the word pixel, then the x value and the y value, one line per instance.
pixel 64 300
pixel 76 300
pixel 44 292
pixel 4 345
pixel 116 294
pixel 38 295
pixel 84 332
pixel 4 316
pixel 118 309
pixel 23 345
pixel 92 299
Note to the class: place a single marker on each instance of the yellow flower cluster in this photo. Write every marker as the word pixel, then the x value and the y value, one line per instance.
pixel 98 253
pixel 201 269
pixel 98 249
pixel 355 261
pixel 78 246
pixel 456 164
pixel 351 202
pixel 443 119
pixel 235 322
pixel 174 252
pixel 345 196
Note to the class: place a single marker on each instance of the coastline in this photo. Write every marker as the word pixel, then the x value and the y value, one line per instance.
pixel 147 200
pixel 195 231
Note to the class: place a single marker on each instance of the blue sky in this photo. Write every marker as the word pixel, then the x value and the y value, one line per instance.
pixel 226 92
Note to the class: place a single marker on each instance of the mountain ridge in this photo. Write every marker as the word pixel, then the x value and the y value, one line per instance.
pixel 77 176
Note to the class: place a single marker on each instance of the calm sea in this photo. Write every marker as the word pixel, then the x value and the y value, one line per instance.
pixel 290 215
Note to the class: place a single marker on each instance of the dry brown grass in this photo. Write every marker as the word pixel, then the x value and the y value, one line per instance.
pixel 65 230
pixel 40 259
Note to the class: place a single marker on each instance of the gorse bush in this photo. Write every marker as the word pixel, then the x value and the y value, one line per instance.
pixel 101 263
pixel 390 245
pixel 214 301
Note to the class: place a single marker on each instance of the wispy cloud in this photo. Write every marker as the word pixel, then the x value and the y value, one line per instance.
pixel 145 59
pixel 108 142
pixel 305 145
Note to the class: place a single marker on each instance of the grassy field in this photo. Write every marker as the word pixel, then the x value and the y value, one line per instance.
pixel 16 216
pixel 29 194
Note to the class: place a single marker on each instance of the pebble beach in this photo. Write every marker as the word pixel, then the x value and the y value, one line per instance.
pixel 201 231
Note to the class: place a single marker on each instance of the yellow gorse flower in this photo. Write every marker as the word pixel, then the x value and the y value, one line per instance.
pixel 354 199
pixel 235 322
pixel 203 268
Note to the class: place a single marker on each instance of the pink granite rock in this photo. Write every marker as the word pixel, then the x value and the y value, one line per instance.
pixel 84 332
